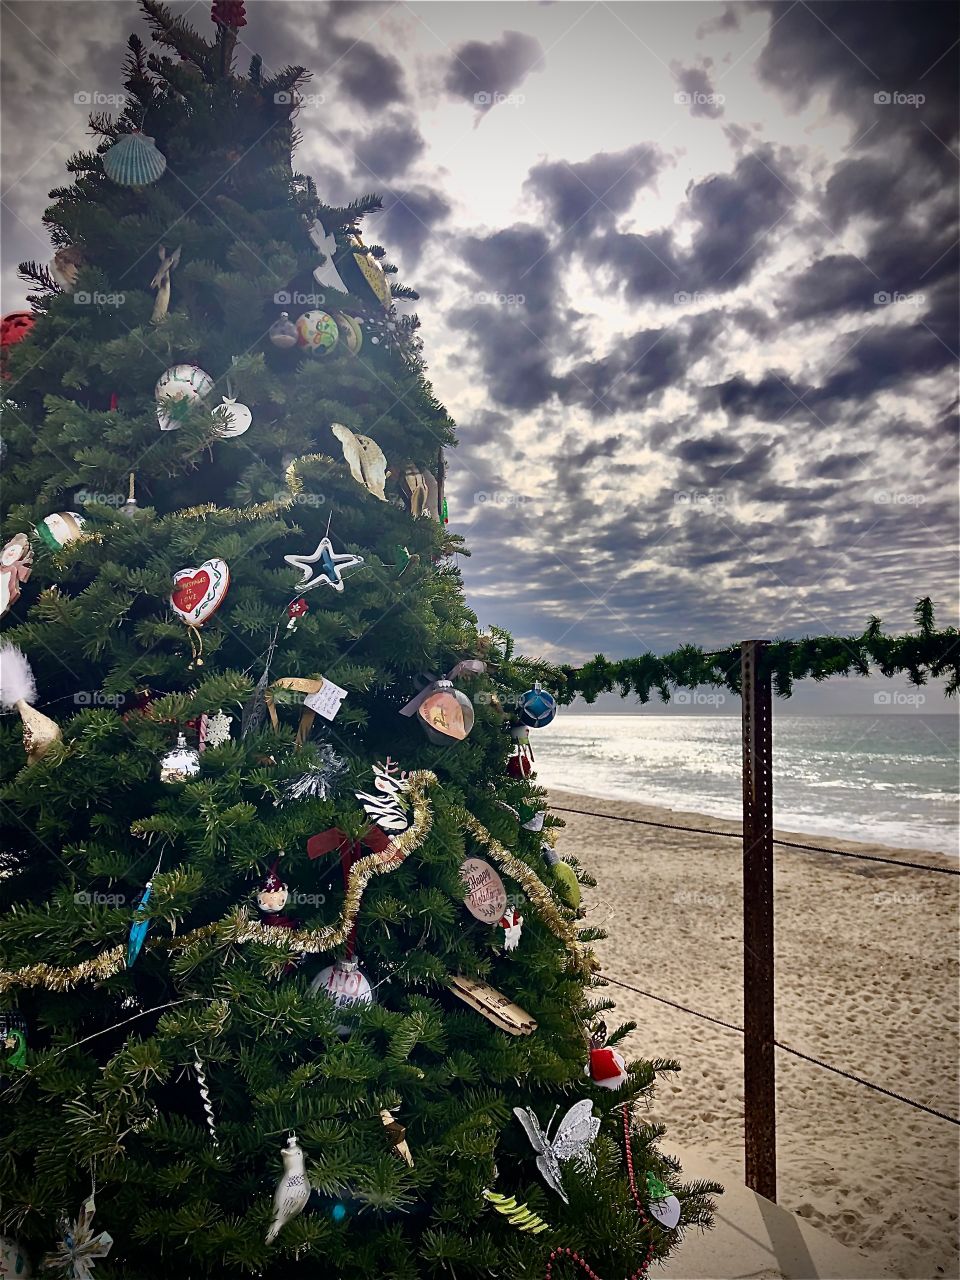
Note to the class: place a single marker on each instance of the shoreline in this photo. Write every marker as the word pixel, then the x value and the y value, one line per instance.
pixel 866 980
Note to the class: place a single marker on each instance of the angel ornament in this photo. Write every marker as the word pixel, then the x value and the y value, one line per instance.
pixel 16 561
pixel 365 458
pixel 572 1140
pixel 161 282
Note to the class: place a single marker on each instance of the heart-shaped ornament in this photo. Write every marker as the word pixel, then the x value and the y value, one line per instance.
pixel 198 593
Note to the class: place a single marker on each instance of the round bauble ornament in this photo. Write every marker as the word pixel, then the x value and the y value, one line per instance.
pixel 181 763
pixel 485 896
pixel 350 331
pixel 446 714
pixel 232 418
pixel 537 707
pixel 133 161
pixel 59 528
pixel 283 332
pixel 15 327
pixel 317 331
pixel 177 389
pixel 346 985
pixel 13 1261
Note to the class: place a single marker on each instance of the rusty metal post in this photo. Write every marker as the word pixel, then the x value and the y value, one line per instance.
pixel 759 1080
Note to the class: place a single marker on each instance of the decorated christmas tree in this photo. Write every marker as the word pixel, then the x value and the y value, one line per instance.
pixel 292 981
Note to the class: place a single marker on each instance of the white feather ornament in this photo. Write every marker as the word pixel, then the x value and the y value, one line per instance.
pixel 18 689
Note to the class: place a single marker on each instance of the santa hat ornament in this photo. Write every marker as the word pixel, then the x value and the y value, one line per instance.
pixel 606 1066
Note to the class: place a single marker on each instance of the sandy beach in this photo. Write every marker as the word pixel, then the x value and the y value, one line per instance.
pixel 867 980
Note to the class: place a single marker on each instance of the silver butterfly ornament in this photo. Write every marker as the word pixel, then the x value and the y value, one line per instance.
pixel 571 1141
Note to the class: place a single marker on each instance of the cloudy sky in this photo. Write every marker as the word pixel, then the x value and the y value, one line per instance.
pixel 687 277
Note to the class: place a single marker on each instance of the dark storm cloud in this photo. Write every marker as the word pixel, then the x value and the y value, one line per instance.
pixel 409 220
pixel 697 91
pixel 589 193
pixel 367 76
pixel 514 317
pixel 855 52
pixel 629 377
pixel 389 149
pixel 479 71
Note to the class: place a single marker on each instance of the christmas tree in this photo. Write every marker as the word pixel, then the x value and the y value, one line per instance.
pixel 284 942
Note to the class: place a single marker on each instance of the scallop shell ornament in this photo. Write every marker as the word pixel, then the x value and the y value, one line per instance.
pixel 134 161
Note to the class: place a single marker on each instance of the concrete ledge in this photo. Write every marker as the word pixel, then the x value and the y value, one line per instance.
pixel 755 1239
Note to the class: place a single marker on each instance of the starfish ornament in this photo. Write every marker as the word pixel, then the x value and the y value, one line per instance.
pixel 78 1248
pixel 331 564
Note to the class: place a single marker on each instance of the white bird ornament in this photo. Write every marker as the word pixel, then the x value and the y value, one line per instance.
pixel 293 1189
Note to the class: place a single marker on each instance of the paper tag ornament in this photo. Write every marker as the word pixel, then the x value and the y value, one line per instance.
pixel 327 702
pixel 494 1006
pixel 486 897
pixel 664 1206
pixel 198 593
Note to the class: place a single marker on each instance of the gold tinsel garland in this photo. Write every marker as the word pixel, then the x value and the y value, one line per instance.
pixel 240 928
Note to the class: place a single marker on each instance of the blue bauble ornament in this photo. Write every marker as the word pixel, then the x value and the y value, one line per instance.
pixel 537 707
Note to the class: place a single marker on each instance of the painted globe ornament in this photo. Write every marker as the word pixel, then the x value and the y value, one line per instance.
pixel 13 1261
pixel 351 332
pixel 346 985
pixel 133 161
pixel 59 528
pixel 15 327
pixel 446 714
pixel 232 418
pixel 283 332
pixel 178 389
pixel 317 331
pixel 537 707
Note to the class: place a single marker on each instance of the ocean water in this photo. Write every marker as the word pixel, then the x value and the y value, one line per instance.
pixel 886 779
